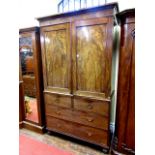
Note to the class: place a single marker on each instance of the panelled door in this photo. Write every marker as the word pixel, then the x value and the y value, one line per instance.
pixel 126 89
pixel 56 58
pixel 130 126
pixel 92 58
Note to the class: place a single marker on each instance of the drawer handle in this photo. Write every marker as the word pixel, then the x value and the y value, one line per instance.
pixel 90 119
pixel 58 125
pixel 89 134
pixel 89 101
pixel 58 112
pixel 57 100
pixel 90 106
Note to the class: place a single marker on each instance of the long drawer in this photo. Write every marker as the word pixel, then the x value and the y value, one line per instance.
pixel 81 117
pixel 91 105
pixel 99 137
pixel 58 100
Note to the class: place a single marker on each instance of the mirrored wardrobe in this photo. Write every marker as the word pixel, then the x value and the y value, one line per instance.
pixel 31 68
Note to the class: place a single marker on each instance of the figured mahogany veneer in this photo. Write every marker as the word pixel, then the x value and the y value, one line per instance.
pixel 77 64
pixel 84 118
pixel 58 100
pixel 93 135
pixel 92 106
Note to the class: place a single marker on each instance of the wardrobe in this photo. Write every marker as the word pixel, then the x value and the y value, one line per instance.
pixel 31 82
pixel 125 114
pixel 77 52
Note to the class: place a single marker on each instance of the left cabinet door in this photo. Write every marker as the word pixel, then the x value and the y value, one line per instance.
pixel 56 56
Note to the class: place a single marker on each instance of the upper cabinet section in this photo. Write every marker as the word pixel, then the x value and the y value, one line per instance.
pixel 56 57
pixel 77 51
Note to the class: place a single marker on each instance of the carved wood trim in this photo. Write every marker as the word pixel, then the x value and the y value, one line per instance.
pixel 133 33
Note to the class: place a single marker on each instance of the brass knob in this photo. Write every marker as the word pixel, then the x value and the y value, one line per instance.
pixel 90 101
pixel 57 100
pixel 58 112
pixel 58 125
pixel 90 106
pixel 89 134
pixel 90 119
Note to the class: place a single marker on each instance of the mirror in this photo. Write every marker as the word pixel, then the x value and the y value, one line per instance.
pixel 28 75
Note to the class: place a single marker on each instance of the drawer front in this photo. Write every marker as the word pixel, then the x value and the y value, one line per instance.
pixel 77 130
pixel 90 105
pixel 58 100
pixel 81 117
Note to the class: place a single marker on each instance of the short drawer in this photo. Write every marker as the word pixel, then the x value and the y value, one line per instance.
pixel 91 105
pixel 58 100
pixel 85 118
pixel 79 131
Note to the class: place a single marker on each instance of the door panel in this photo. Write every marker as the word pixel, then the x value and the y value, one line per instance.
pixel 90 57
pixel 91 71
pixel 57 57
pixel 126 90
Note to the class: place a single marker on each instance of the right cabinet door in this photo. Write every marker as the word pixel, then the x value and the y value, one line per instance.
pixel 92 58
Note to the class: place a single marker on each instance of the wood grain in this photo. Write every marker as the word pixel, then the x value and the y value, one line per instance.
pixel 90 57
pixel 92 106
pixel 130 128
pixel 56 58
pixel 85 118
pixel 83 132
pixel 58 100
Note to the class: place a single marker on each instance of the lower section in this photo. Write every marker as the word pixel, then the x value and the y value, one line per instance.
pixel 79 131
pixel 79 117
pixel 33 127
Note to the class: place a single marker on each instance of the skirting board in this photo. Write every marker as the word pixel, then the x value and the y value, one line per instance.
pixel 33 127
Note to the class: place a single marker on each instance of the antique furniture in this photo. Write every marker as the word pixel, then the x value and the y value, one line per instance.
pixel 77 63
pixel 125 115
pixel 31 68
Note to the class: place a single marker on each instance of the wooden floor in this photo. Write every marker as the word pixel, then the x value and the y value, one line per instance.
pixel 63 143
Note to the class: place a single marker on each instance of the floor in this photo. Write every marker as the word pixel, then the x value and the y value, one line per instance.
pixel 63 143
